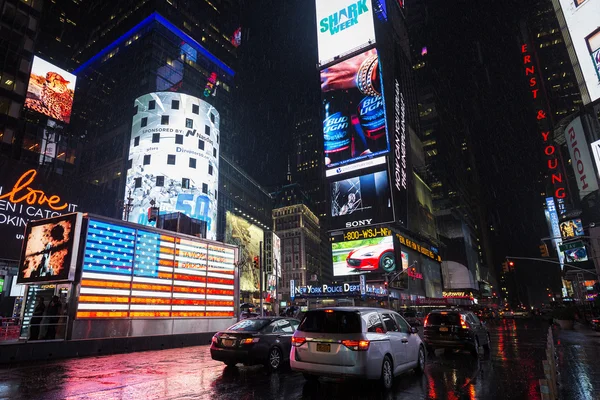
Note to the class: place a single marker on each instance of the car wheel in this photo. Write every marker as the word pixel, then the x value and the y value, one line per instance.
pixel 486 346
pixel 420 361
pixel 387 262
pixel 387 373
pixel 275 359
pixel 309 377
pixel 475 349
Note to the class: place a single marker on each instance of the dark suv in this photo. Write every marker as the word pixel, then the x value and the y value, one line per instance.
pixel 455 329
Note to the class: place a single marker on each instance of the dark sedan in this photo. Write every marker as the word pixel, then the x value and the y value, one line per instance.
pixel 265 340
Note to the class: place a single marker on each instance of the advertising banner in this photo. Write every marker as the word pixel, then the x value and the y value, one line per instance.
pixel 361 201
pixel 277 255
pixel 576 255
pixel 343 27
pixel 581 160
pixel 596 151
pixel 174 158
pixel 552 218
pixel 571 228
pixel 50 90
pixel 50 250
pixel 361 256
pixel 581 17
pixel 354 119
pixel 247 236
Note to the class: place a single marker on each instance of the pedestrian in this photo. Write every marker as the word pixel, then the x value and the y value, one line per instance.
pixel 36 319
pixel 53 314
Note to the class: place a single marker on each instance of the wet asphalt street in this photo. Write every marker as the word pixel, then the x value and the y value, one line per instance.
pixel 510 371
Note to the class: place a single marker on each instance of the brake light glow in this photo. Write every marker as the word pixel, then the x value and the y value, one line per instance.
pixel 356 345
pixel 328 311
pixel 298 341
pixel 249 340
pixel 425 322
pixel 463 322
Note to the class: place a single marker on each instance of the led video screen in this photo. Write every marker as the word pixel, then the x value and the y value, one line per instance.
pixel 50 90
pixel 582 22
pixel 356 257
pixel 361 201
pixel 354 126
pixel 571 228
pixel 50 250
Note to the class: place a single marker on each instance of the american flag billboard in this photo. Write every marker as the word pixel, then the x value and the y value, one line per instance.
pixel 139 273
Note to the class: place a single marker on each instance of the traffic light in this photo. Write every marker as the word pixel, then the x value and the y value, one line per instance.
pixel 505 266
pixel 544 250
pixel 511 265
pixel 256 262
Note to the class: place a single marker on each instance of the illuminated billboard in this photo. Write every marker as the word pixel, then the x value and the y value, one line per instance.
pixel 571 228
pixel 578 254
pixel 277 255
pixel 581 160
pixel 247 236
pixel 50 250
pixel 365 255
pixel 354 118
pixel 361 201
pixel 174 158
pixel 581 17
pixel 343 27
pixel 50 90
pixel 139 273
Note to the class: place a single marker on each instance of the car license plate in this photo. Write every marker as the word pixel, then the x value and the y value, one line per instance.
pixel 324 347
pixel 228 342
pixel 443 329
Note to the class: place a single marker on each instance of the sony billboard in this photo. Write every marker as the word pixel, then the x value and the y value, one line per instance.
pixel 174 158
pixel 343 27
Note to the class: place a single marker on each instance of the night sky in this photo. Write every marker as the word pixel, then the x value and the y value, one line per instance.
pixel 475 49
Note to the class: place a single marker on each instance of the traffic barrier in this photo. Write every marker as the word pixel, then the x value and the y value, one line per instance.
pixel 549 385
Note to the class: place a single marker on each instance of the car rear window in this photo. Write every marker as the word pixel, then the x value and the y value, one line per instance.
pixel 322 321
pixel 446 319
pixel 250 325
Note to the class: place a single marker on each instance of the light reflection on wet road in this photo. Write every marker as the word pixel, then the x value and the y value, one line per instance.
pixel 510 371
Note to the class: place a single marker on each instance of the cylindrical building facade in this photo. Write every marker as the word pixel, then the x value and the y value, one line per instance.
pixel 174 158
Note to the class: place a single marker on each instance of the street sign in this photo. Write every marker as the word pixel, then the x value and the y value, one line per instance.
pixel 570 245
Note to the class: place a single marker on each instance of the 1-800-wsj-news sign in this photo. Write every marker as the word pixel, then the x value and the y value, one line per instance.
pixel 343 27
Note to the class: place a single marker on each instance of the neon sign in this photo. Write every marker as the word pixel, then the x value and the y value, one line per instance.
pixel 550 151
pixel 210 85
pixel 22 192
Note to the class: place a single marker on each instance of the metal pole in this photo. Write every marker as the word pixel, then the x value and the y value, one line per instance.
pixel 260 268
pixel 554 262
pixel 387 286
pixel 276 304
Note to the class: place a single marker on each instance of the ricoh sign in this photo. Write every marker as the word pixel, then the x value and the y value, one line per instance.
pixel 581 160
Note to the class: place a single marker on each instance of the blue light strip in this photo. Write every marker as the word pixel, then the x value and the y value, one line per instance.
pixel 164 22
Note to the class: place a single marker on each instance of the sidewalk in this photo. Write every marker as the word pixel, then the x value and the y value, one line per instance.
pixel 578 353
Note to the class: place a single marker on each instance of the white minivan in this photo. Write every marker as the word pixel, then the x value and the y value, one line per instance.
pixel 356 342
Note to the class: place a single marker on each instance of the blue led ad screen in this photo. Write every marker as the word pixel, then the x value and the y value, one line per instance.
pixel 353 110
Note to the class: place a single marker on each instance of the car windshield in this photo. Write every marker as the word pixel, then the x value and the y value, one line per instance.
pixel 446 319
pixel 328 321
pixel 250 325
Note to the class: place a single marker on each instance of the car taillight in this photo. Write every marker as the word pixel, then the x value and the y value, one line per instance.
pixel 356 345
pixel 249 340
pixel 425 322
pixel 215 338
pixel 298 341
pixel 463 322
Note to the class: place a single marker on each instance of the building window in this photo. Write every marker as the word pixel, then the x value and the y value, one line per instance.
pixel 212 118
pixel 151 104
pixel 144 122
pixel 192 162
pixel 195 109
pixel 204 188
pixel 129 163
pixel 155 137
pixel 175 104
pixel 217 138
pixel 214 152
pixel 201 144
pixel 147 159
pixel 178 139
pixel 136 141
pixel 185 183
pixel 171 159
pixel 210 169
pixel 207 130
pixel 189 123
pixel 138 183
pixel 160 181
pixel 164 120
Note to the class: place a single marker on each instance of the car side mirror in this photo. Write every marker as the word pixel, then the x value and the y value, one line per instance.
pixel 414 330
